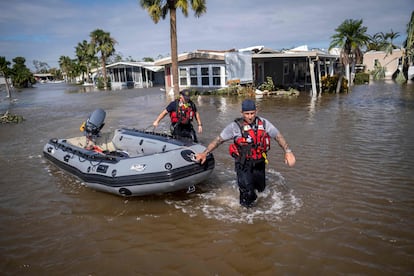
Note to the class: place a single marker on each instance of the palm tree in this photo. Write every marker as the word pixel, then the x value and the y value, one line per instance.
pixel 65 64
pixel 22 77
pixel 5 71
pixel 389 41
pixel 102 42
pixel 85 57
pixel 376 42
pixel 158 9
pixel 383 42
pixel 350 37
pixel 409 48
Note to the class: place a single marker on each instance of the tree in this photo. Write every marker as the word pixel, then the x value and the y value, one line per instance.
pixel 56 73
pixel 375 42
pixel 148 59
pixel 6 72
pixel 409 48
pixel 86 58
pixel 389 41
pixel 158 9
pixel 22 77
pixel 102 42
pixel 382 42
pixel 65 64
pixel 40 66
pixel 350 37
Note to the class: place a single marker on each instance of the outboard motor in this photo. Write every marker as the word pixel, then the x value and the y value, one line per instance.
pixel 94 124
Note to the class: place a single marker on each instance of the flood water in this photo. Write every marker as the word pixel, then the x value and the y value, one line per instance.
pixel 347 207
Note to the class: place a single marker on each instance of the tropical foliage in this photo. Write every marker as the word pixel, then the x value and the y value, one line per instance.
pixel 329 83
pixel 86 58
pixel 69 67
pixel 409 48
pixel 6 72
pixel 379 71
pixel 268 84
pixel 8 118
pixel 351 36
pixel 361 78
pixel 22 77
pixel 159 9
pixel 382 42
pixel 103 43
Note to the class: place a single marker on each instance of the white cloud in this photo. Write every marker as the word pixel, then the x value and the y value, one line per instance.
pixel 47 29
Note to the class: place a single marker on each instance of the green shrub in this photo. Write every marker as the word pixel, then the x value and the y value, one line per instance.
pixel 329 84
pixel 268 85
pixel 361 78
pixel 101 84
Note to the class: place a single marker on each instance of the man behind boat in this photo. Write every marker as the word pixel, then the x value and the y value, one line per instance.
pixel 182 111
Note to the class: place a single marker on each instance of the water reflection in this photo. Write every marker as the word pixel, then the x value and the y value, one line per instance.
pixel 346 205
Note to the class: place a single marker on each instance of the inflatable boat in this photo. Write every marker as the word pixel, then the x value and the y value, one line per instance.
pixel 129 162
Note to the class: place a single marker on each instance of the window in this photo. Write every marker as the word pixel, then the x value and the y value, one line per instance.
pixel 202 75
pixel 205 76
pixel 216 76
pixel 193 76
pixel 122 75
pixel 183 76
pixel 286 68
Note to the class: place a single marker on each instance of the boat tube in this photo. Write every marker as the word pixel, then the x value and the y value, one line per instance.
pixel 129 162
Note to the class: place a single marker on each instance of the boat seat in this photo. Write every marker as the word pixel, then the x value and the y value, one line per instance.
pixel 103 141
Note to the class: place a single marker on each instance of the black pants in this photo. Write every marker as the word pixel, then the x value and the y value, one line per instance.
pixel 186 131
pixel 250 177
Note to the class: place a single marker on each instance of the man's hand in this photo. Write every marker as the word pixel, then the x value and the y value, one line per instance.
pixel 201 157
pixel 290 159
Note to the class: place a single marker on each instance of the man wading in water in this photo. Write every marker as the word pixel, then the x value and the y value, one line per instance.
pixel 182 112
pixel 251 135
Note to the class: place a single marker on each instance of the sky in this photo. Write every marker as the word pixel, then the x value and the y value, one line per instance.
pixel 44 30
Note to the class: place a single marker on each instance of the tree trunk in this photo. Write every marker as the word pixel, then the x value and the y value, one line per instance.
pixel 7 87
pixel 339 84
pixel 104 72
pixel 347 73
pixel 87 74
pixel 174 51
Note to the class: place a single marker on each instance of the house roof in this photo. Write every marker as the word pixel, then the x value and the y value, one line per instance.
pixel 299 54
pixel 258 52
pixel 147 65
pixel 394 51
pixel 198 54
pixel 40 75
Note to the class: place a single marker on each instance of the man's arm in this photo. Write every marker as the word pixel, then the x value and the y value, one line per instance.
pixel 201 157
pixel 290 158
pixel 159 118
pixel 200 126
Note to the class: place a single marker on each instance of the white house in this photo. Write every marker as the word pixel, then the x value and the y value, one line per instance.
pixel 134 74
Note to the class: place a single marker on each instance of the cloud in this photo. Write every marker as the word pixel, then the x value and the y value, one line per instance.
pixel 47 29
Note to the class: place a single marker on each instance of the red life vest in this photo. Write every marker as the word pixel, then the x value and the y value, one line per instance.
pixel 253 143
pixel 183 114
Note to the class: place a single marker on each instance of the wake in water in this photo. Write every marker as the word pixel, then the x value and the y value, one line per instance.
pixel 222 202
pixel 218 199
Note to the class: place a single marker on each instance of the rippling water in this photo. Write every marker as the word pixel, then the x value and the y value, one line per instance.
pixel 345 208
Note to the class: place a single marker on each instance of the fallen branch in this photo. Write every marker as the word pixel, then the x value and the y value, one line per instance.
pixel 7 118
